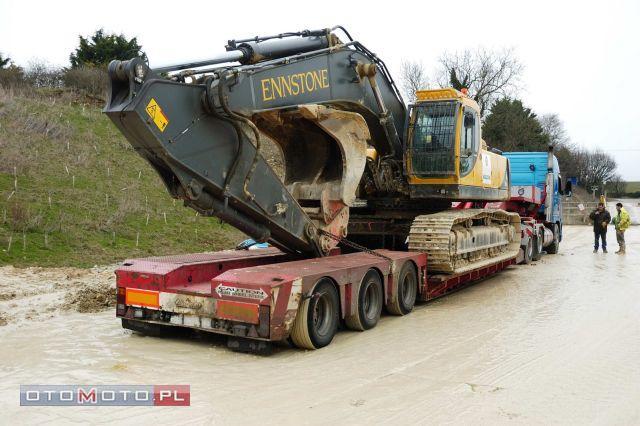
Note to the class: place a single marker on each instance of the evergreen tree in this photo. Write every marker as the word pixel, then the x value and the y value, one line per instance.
pixel 4 62
pixel 512 127
pixel 101 48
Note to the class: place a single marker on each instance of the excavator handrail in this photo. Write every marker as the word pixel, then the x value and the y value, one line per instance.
pixel 260 65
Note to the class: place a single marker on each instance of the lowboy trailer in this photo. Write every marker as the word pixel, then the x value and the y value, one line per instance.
pixel 261 296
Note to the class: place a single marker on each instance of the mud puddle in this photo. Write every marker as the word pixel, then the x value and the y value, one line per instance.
pixel 554 342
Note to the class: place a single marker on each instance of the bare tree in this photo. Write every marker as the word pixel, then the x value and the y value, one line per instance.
pixel 413 77
pixel 40 74
pixel 598 168
pixel 487 74
pixel 553 127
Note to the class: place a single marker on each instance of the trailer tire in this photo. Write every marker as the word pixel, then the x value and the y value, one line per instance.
pixel 369 303
pixel 537 247
pixel 407 290
pixel 528 251
pixel 555 245
pixel 318 315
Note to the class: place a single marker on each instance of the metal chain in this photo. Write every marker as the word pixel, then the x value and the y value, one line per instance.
pixel 354 245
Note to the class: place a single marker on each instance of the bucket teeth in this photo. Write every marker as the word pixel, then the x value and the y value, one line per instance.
pixel 458 241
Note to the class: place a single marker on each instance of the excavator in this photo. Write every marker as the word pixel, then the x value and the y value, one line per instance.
pixel 361 170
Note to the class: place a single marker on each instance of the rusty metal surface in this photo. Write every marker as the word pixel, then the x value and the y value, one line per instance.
pixel 285 283
pixel 189 272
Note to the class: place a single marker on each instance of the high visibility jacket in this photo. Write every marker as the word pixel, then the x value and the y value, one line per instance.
pixel 622 220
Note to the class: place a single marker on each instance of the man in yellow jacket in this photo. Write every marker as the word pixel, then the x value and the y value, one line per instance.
pixel 621 221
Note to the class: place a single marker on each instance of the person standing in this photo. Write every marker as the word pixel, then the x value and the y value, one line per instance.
pixel 568 189
pixel 601 219
pixel 621 221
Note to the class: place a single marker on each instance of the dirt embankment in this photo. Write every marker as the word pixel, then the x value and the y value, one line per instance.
pixel 38 293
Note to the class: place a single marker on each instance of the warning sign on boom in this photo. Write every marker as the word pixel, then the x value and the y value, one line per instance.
pixel 156 114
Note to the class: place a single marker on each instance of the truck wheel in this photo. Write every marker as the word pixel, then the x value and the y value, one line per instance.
pixel 317 320
pixel 528 251
pixel 407 290
pixel 370 301
pixel 555 245
pixel 537 246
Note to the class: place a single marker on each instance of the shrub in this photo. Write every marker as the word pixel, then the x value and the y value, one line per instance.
pixel 11 77
pixel 88 80
pixel 40 74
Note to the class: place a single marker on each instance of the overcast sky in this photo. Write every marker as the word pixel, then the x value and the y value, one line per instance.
pixel 582 58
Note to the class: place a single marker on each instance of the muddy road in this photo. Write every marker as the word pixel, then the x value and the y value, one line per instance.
pixel 554 342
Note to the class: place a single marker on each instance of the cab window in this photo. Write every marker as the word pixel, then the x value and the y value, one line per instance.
pixel 433 138
pixel 469 140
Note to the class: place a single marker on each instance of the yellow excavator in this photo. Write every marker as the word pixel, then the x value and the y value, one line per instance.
pixel 447 161
pixel 359 166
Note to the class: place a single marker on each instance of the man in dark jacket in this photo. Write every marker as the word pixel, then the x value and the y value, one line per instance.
pixel 601 219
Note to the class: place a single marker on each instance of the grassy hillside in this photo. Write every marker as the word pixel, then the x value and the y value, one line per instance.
pixel 73 192
pixel 632 187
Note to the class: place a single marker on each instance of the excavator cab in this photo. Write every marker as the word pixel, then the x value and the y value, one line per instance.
pixel 445 154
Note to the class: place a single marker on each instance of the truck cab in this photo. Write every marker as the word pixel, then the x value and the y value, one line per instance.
pixel 536 187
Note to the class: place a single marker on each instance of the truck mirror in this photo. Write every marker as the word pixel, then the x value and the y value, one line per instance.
pixel 560 189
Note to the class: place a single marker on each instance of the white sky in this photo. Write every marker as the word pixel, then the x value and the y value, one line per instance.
pixel 582 58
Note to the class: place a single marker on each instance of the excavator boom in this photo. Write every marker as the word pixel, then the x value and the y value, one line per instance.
pixel 322 101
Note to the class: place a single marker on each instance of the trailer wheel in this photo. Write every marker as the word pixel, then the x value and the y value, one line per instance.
pixel 317 320
pixel 537 247
pixel 407 290
pixel 369 305
pixel 555 245
pixel 528 251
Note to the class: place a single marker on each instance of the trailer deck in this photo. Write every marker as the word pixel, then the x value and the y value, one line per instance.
pixel 253 296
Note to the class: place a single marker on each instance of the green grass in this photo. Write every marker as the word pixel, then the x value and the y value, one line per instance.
pixel 632 187
pixel 83 195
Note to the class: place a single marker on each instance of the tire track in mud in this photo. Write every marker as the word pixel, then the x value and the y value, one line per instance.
pixel 557 341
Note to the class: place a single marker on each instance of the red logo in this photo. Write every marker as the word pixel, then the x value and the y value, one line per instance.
pixel 174 395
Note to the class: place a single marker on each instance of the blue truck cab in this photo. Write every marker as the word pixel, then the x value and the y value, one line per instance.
pixel 535 176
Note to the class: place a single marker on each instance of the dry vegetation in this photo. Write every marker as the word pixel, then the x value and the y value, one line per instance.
pixel 73 192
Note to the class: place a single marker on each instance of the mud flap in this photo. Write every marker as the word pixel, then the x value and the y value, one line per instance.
pixel 242 344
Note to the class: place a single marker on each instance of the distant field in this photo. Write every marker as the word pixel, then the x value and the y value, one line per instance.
pixel 74 193
pixel 632 187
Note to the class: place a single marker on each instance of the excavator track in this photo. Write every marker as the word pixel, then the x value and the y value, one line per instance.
pixel 458 241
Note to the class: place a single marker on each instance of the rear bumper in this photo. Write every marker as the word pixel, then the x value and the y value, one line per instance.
pixel 258 319
pixel 181 291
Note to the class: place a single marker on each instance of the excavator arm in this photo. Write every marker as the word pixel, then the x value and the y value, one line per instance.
pixel 323 102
